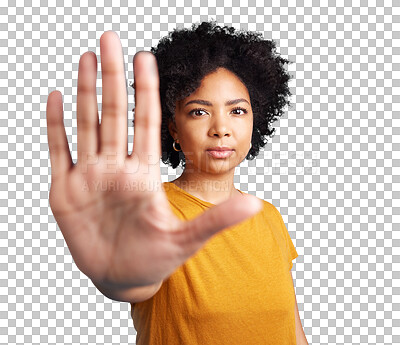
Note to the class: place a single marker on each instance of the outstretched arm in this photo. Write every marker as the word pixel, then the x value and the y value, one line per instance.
pixel 300 335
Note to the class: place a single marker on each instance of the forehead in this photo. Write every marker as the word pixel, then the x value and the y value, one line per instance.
pixel 222 75
pixel 219 86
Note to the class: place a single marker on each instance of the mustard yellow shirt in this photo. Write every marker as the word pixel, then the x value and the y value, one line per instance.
pixel 237 289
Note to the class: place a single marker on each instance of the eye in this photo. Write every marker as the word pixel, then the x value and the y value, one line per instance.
pixel 239 108
pixel 195 111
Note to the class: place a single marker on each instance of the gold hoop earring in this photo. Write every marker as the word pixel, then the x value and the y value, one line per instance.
pixel 173 145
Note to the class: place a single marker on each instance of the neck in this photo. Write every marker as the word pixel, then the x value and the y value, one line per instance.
pixel 213 188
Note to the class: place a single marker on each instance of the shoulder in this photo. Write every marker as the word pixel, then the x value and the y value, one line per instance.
pixel 269 208
pixel 271 214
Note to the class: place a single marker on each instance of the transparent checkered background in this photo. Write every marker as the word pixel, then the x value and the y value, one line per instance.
pixel 331 169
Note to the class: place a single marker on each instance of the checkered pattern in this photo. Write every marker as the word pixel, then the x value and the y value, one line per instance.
pixel 330 169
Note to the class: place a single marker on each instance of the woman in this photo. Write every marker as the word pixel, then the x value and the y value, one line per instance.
pixel 161 246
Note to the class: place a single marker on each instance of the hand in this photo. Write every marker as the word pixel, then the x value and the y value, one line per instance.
pixel 110 206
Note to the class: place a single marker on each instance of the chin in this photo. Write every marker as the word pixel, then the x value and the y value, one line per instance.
pixel 220 166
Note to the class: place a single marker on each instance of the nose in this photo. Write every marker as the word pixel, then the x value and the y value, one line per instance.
pixel 220 125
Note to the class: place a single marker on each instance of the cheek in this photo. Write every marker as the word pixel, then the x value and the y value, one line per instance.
pixel 245 131
pixel 192 144
pixel 250 129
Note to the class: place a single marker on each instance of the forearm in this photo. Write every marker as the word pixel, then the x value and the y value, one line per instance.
pixel 132 295
pixel 301 339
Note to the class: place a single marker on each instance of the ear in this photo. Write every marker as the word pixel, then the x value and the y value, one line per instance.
pixel 172 128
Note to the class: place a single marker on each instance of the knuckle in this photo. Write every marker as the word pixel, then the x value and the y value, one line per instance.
pixel 146 122
pixel 85 88
pixel 114 108
pixel 113 71
pixel 109 143
pixel 146 85
pixel 85 123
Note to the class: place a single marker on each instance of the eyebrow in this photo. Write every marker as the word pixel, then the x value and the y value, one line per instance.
pixel 203 102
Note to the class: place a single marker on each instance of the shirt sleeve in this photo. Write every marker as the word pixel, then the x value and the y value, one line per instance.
pixel 290 249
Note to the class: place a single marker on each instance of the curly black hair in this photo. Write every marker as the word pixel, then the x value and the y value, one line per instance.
pixel 186 56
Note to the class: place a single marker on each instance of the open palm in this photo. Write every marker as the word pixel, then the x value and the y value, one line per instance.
pixel 110 206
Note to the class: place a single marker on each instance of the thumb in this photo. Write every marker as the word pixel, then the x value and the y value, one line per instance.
pixel 218 218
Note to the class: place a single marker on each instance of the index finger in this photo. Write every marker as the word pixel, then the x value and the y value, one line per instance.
pixel 147 125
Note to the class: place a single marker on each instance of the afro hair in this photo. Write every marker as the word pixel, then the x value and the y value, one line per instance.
pixel 185 56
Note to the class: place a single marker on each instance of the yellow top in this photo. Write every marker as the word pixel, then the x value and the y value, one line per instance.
pixel 237 289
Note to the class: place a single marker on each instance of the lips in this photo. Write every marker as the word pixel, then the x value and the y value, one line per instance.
pixel 220 152
pixel 220 148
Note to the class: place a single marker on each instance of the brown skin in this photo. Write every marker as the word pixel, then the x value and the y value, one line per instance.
pixel 110 206
pixel 206 177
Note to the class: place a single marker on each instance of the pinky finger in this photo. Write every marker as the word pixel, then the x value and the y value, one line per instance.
pixel 60 157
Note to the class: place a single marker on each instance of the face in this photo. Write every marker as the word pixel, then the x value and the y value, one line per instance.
pixel 205 119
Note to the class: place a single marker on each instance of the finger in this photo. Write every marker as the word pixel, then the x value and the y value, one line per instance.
pixel 147 125
pixel 60 157
pixel 113 127
pixel 202 228
pixel 87 113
